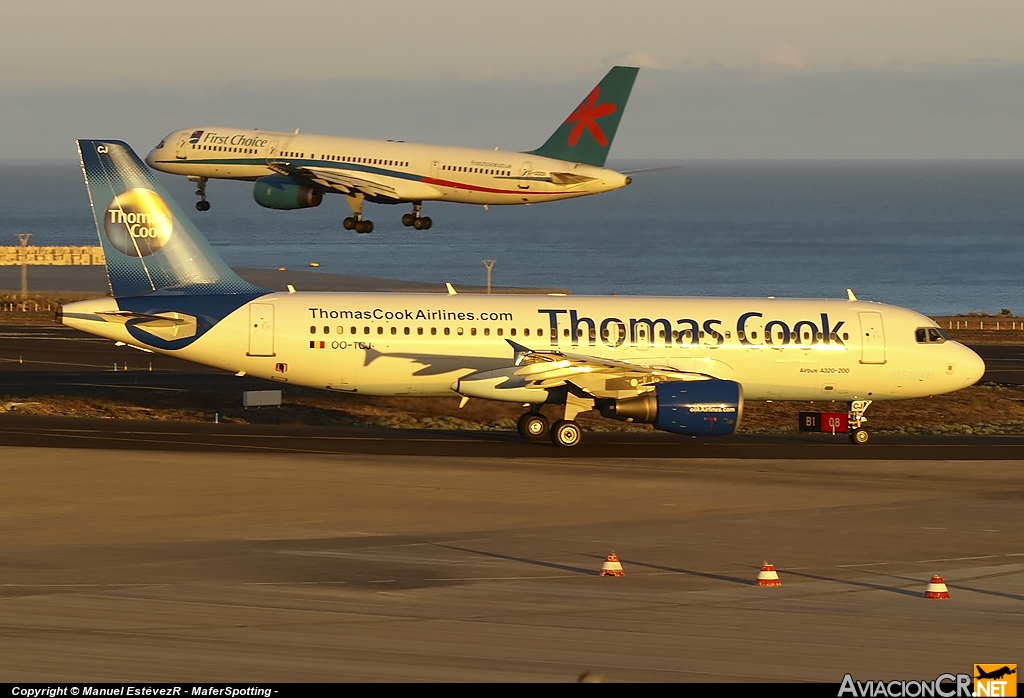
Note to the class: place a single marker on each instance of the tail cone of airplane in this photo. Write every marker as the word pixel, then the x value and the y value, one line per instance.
pixel 612 567
pixel 768 577
pixel 936 589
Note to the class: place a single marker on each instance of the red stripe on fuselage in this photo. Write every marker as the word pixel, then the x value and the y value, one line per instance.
pixel 487 190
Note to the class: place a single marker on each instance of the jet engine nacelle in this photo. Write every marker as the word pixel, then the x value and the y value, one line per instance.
pixel 285 194
pixel 695 408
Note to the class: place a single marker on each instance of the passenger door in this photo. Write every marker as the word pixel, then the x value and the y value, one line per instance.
pixel 261 329
pixel 872 339
pixel 525 170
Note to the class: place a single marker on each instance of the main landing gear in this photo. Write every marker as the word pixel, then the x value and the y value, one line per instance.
pixel 415 220
pixel 533 426
pixel 858 434
pixel 355 222
pixel 202 204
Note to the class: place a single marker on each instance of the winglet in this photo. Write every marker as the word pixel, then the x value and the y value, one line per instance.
pixel 849 295
pixel 451 289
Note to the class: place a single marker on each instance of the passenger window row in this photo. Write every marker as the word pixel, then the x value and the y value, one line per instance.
pixel 678 336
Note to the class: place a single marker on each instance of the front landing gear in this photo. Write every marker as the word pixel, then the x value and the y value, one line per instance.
pixel 858 434
pixel 415 220
pixel 202 204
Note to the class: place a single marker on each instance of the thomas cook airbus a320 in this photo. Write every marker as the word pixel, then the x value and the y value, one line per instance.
pixel 685 365
pixel 293 170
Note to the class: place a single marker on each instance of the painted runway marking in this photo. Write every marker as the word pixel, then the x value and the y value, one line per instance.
pixel 958 559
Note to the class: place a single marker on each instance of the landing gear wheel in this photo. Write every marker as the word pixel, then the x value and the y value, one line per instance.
pixel 566 434
pixel 419 223
pixel 349 223
pixel 427 223
pixel 409 220
pixel 202 204
pixel 364 227
pixel 859 436
pixel 533 427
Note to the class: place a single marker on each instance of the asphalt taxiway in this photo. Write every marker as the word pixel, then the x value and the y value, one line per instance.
pixel 126 565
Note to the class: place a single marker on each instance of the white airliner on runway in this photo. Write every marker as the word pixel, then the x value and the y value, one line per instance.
pixel 683 364
pixel 294 170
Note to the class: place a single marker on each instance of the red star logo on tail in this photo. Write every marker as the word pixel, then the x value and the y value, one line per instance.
pixel 585 116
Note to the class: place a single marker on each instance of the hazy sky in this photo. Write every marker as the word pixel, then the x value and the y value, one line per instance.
pixel 720 78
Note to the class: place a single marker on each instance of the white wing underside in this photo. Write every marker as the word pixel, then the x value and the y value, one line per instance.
pixel 341 182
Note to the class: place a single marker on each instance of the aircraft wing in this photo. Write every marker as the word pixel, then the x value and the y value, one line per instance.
pixel 551 368
pixel 341 182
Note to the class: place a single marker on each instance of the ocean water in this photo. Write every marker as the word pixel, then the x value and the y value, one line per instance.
pixel 939 237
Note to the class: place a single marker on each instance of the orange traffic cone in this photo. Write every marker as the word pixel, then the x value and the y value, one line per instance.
pixel 612 567
pixel 936 589
pixel 768 577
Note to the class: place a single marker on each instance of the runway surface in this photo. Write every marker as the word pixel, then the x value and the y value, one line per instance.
pixel 131 565
pixel 162 551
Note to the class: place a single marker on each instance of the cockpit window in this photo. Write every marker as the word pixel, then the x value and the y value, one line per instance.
pixel 930 335
pixel 160 145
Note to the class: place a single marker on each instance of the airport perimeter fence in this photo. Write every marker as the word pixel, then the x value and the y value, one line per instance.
pixel 980 323
pixel 28 306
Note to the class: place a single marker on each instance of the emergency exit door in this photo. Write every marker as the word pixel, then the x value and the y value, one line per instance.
pixel 261 329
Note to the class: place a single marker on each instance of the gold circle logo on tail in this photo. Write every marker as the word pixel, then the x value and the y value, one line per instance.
pixel 138 222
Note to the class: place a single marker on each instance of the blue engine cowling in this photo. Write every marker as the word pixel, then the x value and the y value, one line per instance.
pixel 285 194
pixel 695 408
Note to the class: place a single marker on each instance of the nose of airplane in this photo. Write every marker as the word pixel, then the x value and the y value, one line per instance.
pixel 969 365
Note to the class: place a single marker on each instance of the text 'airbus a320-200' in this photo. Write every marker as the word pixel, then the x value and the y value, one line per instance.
pixel 685 365
pixel 293 170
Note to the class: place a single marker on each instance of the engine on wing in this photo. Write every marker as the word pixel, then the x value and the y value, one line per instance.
pixel 695 408
pixel 285 194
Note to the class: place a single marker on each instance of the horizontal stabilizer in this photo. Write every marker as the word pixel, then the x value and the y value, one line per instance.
pixel 568 179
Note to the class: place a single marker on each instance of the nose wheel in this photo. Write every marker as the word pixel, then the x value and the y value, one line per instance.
pixel 858 434
pixel 415 220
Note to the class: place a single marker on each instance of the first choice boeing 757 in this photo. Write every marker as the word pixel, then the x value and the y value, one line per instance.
pixel 293 170
pixel 684 365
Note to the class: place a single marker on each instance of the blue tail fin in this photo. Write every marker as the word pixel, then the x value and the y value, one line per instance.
pixel 150 245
